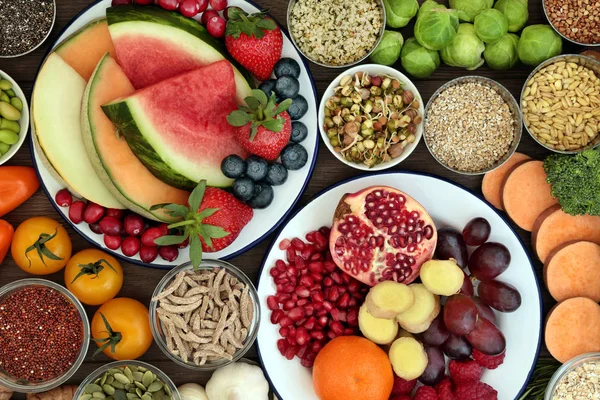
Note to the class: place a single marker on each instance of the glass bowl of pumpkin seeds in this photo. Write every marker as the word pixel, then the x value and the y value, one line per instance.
pixel 127 380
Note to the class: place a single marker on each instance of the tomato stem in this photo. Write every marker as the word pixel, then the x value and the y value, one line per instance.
pixel 42 250
pixel 111 340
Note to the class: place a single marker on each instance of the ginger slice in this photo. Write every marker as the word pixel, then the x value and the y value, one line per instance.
pixel 388 299
pixel 377 330
pixel 425 308
pixel 408 358
pixel 442 277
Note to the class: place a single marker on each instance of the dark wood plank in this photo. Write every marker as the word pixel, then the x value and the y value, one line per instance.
pixel 140 282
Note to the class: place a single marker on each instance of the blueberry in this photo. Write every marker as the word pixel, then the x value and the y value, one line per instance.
pixel 243 188
pixel 268 86
pixel 233 166
pixel 277 174
pixel 287 67
pixel 294 156
pixel 299 132
pixel 264 198
pixel 287 87
pixel 298 108
pixel 256 168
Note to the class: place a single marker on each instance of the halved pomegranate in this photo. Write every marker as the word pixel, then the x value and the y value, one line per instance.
pixel 381 234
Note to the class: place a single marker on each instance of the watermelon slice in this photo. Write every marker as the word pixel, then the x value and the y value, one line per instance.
pixel 153 44
pixel 178 127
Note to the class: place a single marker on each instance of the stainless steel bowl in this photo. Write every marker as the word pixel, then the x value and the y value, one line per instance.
pixel 563 36
pixel 508 98
pixel 291 5
pixel 42 41
pixel 579 59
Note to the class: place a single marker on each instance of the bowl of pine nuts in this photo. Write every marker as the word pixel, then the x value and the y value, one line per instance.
pixel 560 102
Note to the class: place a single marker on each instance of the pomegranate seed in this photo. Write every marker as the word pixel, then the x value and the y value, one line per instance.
pixel 323 320
pixel 280 265
pixel 316 276
pixel 291 336
pixel 282 297
pixel 300 263
pixel 307 362
pixel 206 15
pixel 296 314
pixel 274 272
pixel 306 281
pixel 310 236
pixel 302 352
pixel 310 323
pixel 285 244
pixel 330 266
pixel 292 271
pixel 63 198
pixel 337 328
pixel 318 335
pixel 322 312
pixel 112 242
pixel 318 306
pixel 352 317
pixel 343 301
pixel 298 244
pixel 328 282
pixel 348 331
pixel 332 294
pixel 275 316
pixel 130 246
pixel 307 252
pixel 317 297
pixel 331 335
pixel 325 231
pixel 288 289
pixel 337 278
pixel 272 303
pixel 290 254
pixel 282 346
pixel 288 305
pixel 309 309
pixel 346 278
pixel 353 286
pixel 302 336
pixel 302 291
pixel 290 353
pixel 316 266
pixel 320 240
pixel 327 306
pixel 302 302
pixel 316 257
pixel 283 331
pixel 76 212
pixel 352 302
pixel 285 321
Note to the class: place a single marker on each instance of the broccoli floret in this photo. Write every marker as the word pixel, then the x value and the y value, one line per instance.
pixel 575 181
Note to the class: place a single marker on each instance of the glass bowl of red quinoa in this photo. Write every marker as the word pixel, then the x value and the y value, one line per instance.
pixel 44 335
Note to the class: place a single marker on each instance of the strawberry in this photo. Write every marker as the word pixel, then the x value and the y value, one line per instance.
pixel 264 128
pixel 445 390
pixel 489 362
pixel 426 393
pixel 212 220
pixel 476 391
pixel 255 41
pixel 464 371
pixel 402 386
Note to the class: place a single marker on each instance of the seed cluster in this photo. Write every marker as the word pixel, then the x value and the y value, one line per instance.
pixel 127 383
pixel 576 19
pixel 561 105
pixel 470 127
pixel 24 24
pixel 40 334
pixel 581 383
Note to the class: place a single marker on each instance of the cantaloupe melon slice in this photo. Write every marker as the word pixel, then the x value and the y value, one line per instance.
pixel 84 49
pixel 56 110
pixel 120 170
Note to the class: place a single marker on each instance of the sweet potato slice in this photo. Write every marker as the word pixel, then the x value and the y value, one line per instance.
pixel 574 271
pixel 526 194
pixel 572 328
pixel 493 181
pixel 555 228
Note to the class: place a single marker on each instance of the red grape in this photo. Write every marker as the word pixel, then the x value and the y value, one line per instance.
pixel 477 232
pixel 460 314
pixel 499 295
pixel 216 27
pixel 450 244
pixel 484 310
pixel 457 347
pixel 208 14
pixel 436 366
pixel 188 8
pixel 119 2
pixel 467 287
pixel 489 260
pixel 202 5
pixel 218 5
pixel 437 333
pixel 487 338
pixel 143 2
pixel 169 4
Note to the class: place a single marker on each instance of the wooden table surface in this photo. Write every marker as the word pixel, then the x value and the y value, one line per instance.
pixel 140 282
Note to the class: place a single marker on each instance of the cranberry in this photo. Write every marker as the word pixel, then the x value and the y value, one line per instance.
pixel 148 253
pixel 164 229
pixel 150 235
pixel 188 8
pixel 169 4
pixel 76 212
pixel 114 212
pixel 96 228
pixel 63 198
pixel 202 5
pixel 184 244
pixel 218 5
pixel 208 14
pixel 216 27
pixel 111 226
pixel 133 224
pixel 168 253
pixel 130 246
pixel 120 2
pixel 92 213
pixel 112 242
pixel 143 2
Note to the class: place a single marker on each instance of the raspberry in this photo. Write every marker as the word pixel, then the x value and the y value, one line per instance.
pixel 402 386
pixel 426 393
pixel 476 391
pixel 465 372
pixel 400 397
pixel 445 390
pixel 489 362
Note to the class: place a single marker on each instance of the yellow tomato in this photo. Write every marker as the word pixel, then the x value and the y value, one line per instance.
pixel 93 276
pixel 126 329
pixel 41 246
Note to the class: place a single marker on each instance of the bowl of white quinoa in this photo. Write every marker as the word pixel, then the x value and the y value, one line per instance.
pixel 472 125
pixel 336 33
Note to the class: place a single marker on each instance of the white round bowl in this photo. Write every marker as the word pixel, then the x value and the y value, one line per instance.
pixel 23 122
pixel 373 69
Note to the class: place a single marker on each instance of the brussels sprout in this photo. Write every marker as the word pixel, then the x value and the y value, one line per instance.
pixel 429 5
pixel 516 11
pixel 465 50
pixel 388 50
pixel 436 28
pixel 469 9
pixel 400 12
pixel 537 44
pixel 502 55
pixel 417 60
pixel 491 25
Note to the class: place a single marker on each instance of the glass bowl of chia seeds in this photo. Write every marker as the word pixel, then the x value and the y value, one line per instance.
pixel 205 318
pixel 44 332
pixel 127 380
pixel 25 25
